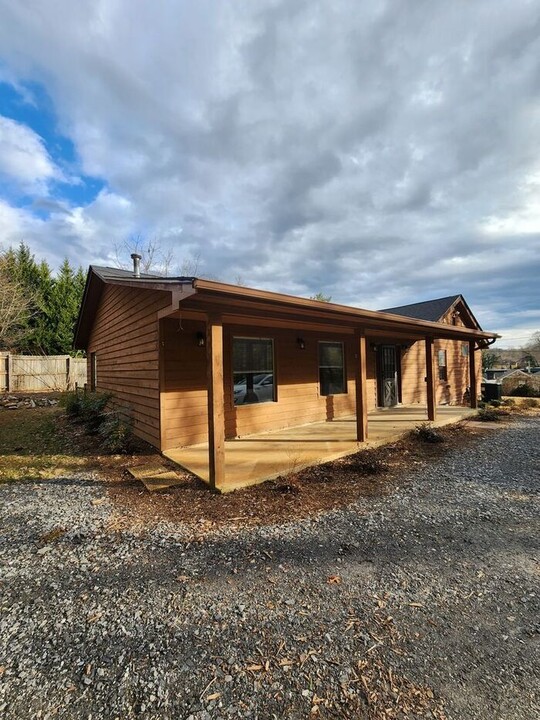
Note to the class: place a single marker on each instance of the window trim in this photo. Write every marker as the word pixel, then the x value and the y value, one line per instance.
pixel 443 367
pixel 343 366
pixel 274 372
pixel 93 371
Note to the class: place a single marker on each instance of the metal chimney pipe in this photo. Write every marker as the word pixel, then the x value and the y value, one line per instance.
pixel 136 264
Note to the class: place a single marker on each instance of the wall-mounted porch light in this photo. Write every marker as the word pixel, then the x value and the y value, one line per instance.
pixel 373 346
pixel 201 339
pixel 301 343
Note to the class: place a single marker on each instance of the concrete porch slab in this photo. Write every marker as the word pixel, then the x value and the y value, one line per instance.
pixel 253 459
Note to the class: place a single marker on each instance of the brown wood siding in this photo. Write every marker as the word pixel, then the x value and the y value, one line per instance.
pixel 448 392
pixel 298 401
pixel 125 339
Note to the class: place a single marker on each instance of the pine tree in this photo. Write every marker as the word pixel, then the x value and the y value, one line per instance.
pixel 53 302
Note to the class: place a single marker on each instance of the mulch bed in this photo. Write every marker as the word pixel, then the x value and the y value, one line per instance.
pixel 306 493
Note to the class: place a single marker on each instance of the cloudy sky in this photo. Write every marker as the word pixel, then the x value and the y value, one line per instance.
pixel 381 152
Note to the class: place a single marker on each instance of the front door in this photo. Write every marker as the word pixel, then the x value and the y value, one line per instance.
pixel 388 376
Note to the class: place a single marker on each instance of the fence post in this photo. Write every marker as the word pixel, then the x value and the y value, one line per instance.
pixel 9 381
pixel 68 372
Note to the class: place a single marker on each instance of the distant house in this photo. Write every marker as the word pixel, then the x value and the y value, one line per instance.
pixel 512 379
pixel 193 360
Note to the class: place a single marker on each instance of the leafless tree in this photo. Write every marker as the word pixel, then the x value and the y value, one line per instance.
pixel 14 306
pixel 154 260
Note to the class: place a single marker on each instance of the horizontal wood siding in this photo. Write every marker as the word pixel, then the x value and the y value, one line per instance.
pixel 125 339
pixel 451 391
pixel 184 412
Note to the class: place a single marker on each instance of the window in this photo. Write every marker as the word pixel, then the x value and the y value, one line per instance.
pixel 442 365
pixel 331 368
pixel 93 371
pixel 253 370
pixel 465 350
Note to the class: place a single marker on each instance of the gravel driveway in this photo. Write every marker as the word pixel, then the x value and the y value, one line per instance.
pixel 422 603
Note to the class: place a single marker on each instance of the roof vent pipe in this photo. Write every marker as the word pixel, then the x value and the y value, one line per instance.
pixel 136 264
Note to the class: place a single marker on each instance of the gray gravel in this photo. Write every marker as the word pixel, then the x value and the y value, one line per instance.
pixel 273 622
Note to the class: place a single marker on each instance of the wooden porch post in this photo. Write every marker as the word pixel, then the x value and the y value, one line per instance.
pixel 216 409
pixel 430 380
pixel 361 387
pixel 472 375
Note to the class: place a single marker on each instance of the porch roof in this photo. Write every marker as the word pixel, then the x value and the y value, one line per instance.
pixel 234 301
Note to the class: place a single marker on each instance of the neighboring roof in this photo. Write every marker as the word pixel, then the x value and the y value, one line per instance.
pixel 261 300
pixel 432 310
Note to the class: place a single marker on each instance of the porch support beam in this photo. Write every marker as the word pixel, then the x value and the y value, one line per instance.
pixel 430 380
pixel 216 409
pixel 361 386
pixel 473 385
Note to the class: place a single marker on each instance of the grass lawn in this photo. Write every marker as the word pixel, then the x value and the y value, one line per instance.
pixel 44 443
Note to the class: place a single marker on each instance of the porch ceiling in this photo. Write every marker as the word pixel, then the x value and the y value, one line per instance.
pixel 254 459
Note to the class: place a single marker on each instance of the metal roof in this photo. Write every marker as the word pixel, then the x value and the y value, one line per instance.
pixel 111 274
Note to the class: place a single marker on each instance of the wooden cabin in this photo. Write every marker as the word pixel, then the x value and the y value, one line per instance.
pixel 190 360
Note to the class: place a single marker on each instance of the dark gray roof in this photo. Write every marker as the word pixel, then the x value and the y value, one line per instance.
pixel 108 273
pixel 432 310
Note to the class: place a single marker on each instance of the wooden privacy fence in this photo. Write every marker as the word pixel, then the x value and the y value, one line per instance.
pixel 40 373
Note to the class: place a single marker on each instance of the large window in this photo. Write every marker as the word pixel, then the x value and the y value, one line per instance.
pixel 331 368
pixel 253 370
pixel 443 374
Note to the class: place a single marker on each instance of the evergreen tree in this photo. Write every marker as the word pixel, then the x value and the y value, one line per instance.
pixel 53 302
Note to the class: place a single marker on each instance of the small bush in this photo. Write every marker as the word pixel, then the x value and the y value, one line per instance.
pixel 426 433
pixel 530 403
pixel 115 433
pixel 92 412
pixel 87 408
pixel 368 465
pixel 509 402
pixel 488 414
pixel 72 403
pixel 525 390
pixel 496 403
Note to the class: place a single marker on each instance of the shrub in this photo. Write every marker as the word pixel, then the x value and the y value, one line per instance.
pixel 496 403
pixel 92 412
pixel 426 433
pixel 72 402
pixel 115 433
pixel 509 402
pixel 366 465
pixel 87 408
pixel 529 403
pixel 488 414
pixel 525 390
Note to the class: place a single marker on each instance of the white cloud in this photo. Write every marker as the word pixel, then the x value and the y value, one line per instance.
pixel 23 157
pixel 381 152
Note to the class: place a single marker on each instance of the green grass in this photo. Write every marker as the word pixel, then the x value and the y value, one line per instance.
pixel 35 443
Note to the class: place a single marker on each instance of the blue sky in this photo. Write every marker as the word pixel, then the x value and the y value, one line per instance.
pixel 382 153
pixel 29 105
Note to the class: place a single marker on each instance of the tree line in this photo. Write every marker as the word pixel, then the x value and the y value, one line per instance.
pixel 38 308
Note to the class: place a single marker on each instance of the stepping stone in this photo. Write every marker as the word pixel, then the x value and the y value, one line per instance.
pixel 156 477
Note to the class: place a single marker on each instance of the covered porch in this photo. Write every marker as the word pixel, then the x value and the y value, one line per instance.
pixel 266 455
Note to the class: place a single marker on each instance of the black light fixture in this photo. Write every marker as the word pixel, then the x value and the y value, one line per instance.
pixel 374 346
pixel 201 339
pixel 301 343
